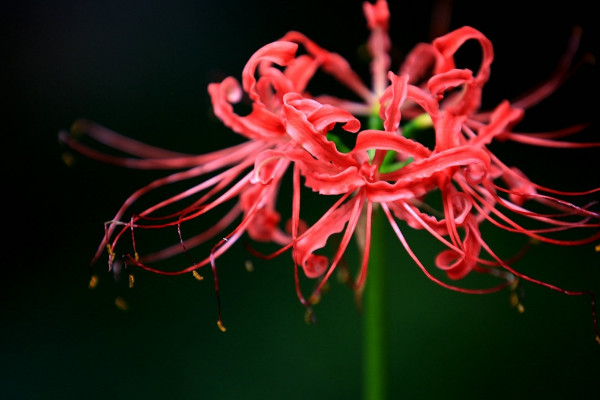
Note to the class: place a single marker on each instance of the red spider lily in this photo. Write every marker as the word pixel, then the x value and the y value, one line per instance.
pixel 288 127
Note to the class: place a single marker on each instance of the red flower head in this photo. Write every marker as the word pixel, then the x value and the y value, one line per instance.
pixel 386 167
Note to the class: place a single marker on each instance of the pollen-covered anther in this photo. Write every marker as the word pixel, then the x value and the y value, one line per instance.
pixel 249 266
pixel 111 253
pixel 68 159
pixel 514 300
pixel 598 339
pixel 315 298
pixel 131 281
pixel 221 326
pixel 516 303
pixel 597 248
pixel 121 303
pixel 93 282
pixel 197 276
pixel 77 128
pixel 309 317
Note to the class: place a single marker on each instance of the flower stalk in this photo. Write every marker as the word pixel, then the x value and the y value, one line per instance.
pixel 376 362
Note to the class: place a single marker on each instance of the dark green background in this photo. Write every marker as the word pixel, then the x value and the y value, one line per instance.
pixel 141 68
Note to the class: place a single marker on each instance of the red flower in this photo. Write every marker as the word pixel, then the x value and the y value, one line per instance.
pixel 386 168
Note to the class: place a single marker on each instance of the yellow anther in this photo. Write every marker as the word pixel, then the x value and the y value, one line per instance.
pixel 308 317
pixel 68 159
pixel 93 281
pixel 249 266
pixel 598 339
pixel 597 248
pixel 315 298
pixel 520 308
pixel 197 275
pixel 77 128
pixel 121 303
pixel 136 256
pixel 131 281
pixel 111 253
pixel 221 326
pixel 514 284
pixel 514 300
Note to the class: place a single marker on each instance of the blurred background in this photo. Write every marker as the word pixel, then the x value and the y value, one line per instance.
pixel 142 68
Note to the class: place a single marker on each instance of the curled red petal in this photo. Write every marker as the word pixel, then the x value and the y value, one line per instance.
pixel 300 71
pixel 378 140
pixel 448 131
pixel 447 46
pixel 421 176
pixel 303 131
pixel 259 124
pixel 333 64
pixel 391 101
pixel 322 116
pixel 317 235
pixel 445 161
pixel 424 99
pixel 279 52
pixel 441 82
pixel 458 265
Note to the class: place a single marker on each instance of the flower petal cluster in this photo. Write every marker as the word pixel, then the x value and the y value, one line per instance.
pixel 387 167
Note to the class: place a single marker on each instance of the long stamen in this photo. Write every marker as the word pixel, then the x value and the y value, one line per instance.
pixel 216 281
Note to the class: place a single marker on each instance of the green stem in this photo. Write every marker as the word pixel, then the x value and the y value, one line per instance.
pixel 375 307
pixel 376 350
